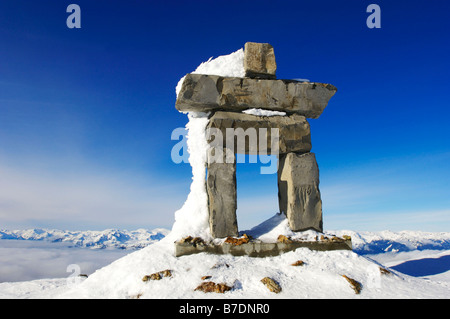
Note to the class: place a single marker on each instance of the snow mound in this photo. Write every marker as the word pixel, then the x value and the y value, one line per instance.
pixel 269 230
pixel 319 277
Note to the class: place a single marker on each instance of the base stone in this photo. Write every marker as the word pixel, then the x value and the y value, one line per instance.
pixel 259 249
pixel 298 191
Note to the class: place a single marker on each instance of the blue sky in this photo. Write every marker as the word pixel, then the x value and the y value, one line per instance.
pixel 86 114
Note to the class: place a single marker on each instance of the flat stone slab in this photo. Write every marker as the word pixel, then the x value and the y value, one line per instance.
pixel 294 134
pixel 259 249
pixel 204 93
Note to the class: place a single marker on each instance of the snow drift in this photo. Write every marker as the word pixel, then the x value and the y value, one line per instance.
pixel 321 276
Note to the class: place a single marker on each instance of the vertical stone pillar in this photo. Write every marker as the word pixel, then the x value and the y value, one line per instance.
pixel 298 191
pixel 222 198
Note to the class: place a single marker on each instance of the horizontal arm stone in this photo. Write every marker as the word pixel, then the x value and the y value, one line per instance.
pixel 206 93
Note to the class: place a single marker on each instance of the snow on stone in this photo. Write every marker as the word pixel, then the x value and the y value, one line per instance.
pixel 193 218
pixel 231 65
pixel 261 112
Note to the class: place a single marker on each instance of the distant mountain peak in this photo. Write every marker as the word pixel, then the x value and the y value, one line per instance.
pixel 109 238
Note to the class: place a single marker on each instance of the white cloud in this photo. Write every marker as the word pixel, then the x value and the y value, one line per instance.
pixel 87 198
pixel 23 260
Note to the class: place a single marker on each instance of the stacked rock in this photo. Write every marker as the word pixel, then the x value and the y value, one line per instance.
pixel 225 98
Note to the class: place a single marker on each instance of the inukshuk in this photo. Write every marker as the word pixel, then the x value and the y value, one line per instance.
pixel 225 98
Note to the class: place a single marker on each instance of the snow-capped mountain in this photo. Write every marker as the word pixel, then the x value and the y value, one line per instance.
pixel 110 238
pixel 364 243
pixel 369 243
